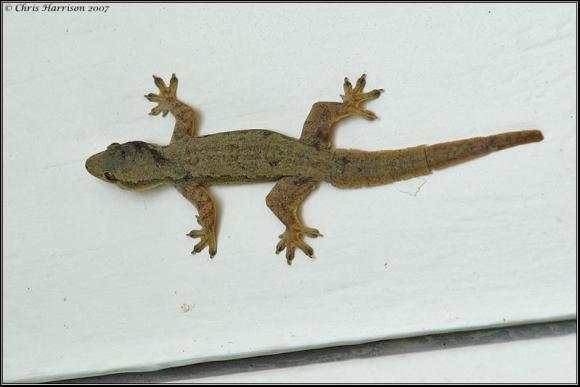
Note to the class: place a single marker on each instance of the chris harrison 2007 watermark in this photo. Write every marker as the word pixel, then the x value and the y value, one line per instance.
pixel 52 7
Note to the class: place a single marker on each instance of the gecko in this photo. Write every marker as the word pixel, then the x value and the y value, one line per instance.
pixel 193 163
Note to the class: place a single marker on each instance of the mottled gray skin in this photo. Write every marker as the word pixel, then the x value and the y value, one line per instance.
pixel 192 163
pixel 243 156
pixel 247 156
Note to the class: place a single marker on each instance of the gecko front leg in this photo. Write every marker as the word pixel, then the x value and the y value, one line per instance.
pixel 199 196
pixel 167 102
pixel 284 200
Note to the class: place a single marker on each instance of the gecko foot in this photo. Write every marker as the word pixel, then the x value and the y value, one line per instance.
pixel 166 97
pixel 292 238
pixel 353 98
pixel 207 238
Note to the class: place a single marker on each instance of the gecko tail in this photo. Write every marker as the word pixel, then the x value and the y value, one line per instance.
pixel 352 168
pixel 446 154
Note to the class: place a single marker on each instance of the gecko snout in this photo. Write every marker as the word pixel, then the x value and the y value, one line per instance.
pixel 94 165
pixel 90 165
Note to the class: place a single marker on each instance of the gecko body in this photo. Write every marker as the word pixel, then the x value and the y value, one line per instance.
pixel 192 163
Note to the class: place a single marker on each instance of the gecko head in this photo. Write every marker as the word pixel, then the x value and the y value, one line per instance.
pixel 135 165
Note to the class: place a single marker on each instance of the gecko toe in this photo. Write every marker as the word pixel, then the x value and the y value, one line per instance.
pixel 173 84
pixel 290 254
pixel 347 86
pixel 195 233
pixel 360 84
pixel 156 110
pixel 200 245
pixel 153 97
pixel 311 232
pixel 159 83
pixel 373 94
pixel 307 250
pixel 280 246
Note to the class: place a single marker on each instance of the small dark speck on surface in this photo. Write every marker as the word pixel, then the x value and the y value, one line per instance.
pixel 64 299
pixel 386 265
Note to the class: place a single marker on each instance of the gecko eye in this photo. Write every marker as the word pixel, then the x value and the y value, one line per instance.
pixel 109 176
pixel 113 145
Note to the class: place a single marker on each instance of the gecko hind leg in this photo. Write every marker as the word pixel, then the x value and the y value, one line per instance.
pixel 285 200
pixel 324 116
pixel 353 98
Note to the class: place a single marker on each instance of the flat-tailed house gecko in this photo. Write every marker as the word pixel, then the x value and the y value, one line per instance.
pixel 192 163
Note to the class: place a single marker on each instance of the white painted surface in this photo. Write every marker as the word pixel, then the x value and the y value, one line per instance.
pixel 95 277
